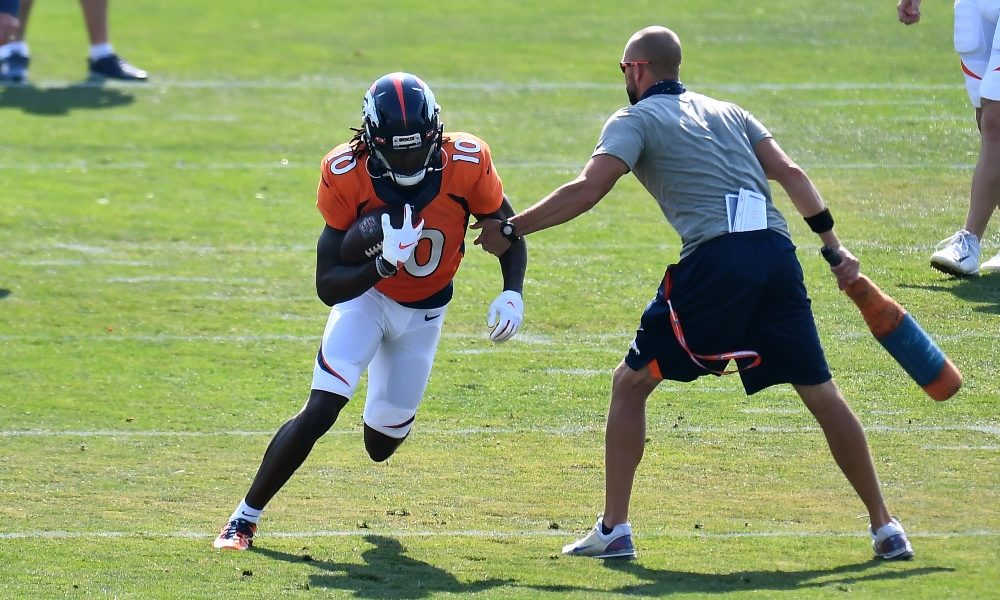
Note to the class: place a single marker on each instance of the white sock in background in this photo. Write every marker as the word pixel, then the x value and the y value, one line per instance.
pixel 99 51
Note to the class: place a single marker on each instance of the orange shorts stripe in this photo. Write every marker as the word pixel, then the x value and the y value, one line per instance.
pixel 969 71
pixel 654 369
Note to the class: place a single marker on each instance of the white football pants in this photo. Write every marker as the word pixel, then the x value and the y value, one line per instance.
pixel 977 41
pixel 395 343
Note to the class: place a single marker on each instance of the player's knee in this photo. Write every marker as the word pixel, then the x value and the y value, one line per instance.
pixel 822 399
pixel 629 383
pixel 989 123
pixel 621 375
pixel 380 446
pixel 320 412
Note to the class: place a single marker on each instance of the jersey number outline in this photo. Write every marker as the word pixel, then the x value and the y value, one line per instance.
pixel 466 145
pixel 436 239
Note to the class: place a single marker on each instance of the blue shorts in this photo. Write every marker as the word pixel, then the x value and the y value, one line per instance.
pixel 740 291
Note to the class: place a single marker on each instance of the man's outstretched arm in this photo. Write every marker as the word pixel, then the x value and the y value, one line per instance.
pixel 567 202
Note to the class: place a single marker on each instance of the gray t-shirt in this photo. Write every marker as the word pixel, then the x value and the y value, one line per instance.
pixel 690 151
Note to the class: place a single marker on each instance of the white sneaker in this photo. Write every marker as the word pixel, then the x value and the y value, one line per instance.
pixel 957 255
pixel 617 544
pixel 992 265
pixel 890 542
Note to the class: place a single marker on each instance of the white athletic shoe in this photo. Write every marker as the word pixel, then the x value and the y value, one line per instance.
pixel 890 543
pixel 957 255
pixel 992 265
pixel 617 544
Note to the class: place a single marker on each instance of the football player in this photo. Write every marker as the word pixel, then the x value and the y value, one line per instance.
pixel 102 61
pixel 977 41
pixel 387 313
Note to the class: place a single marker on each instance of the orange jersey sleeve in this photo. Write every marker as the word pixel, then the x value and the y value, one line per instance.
pixel 340 191
pixel 485 189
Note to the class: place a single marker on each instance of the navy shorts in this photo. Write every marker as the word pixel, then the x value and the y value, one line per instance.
pixel 740 291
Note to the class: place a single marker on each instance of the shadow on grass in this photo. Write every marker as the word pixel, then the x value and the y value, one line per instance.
pixel 58 101
pixel 663 582
pixel 386 573
pixel 984 291
pixel 4 293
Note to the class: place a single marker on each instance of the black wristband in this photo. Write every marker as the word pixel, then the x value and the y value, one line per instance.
pixel 384 268
pixel 821 222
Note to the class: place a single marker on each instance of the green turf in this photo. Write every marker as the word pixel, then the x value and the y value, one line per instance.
pixel 158 319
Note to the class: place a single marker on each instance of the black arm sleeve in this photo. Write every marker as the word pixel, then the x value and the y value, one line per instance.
pixel 335 281
pixel 514 261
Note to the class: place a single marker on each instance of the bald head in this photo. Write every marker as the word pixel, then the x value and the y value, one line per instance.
pixel 658 45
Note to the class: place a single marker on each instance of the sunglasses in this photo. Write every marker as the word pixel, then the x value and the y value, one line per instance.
pixel 629 63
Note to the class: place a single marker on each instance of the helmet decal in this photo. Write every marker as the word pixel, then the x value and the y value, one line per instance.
pixel 431 103
pixel 368 111
pixel 397 82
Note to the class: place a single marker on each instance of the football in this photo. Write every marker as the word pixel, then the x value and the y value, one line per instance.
pixel 363 240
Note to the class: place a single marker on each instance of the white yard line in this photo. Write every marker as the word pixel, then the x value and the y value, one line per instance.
pixel 179 279
pixel 90 262
pixel 772 411
pixel 748 429
pixel 115 248
pixel 649 533
pixel 329 84
pixel 577 372
pixel 82 165
pixel 962 448
pixel 541 343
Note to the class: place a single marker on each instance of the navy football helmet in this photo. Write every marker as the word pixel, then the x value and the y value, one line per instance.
pixel 402 128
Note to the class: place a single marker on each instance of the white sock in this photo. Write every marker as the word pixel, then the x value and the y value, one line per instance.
pixel 20 47
pixel 99 51
pixel 247 512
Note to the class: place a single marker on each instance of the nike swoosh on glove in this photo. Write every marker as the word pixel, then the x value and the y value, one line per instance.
pixel 505 316
pixel 398 244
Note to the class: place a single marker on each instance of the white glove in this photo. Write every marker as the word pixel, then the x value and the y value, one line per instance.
pixel 398 244
pixel 505 316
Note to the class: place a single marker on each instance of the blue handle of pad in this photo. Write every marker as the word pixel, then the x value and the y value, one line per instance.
pixel 915 351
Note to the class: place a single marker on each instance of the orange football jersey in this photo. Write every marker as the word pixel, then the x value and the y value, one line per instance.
pixel 469 185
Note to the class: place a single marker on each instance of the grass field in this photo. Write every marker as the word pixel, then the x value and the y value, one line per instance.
pixel 158 319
